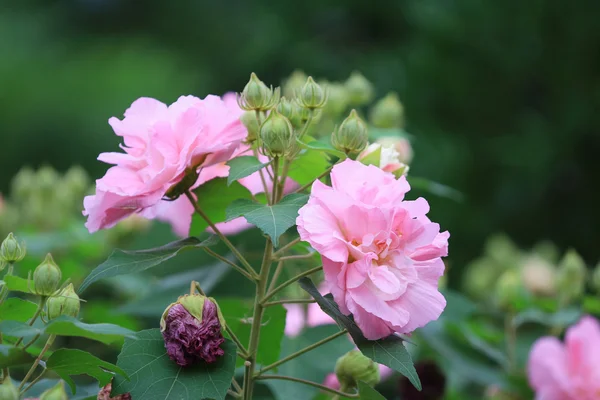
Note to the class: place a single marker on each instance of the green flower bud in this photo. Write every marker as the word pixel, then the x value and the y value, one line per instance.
pixel 312 95
pixel 23 184
pixel 55 393
pixel 11 250
pixel 76 180
pixel 388 112
pixel 539 276
pixel 8 391
pixel 508 289
pixel 337 99
pixel 293 84
pixel 596 278
pixel 46 277
pixel 251 123
pixel 64 302
pixel 360 90
pixel 352 135
pixel 257 96
pixel 291 111
pixel 571 277
pixel 353 367
pixel 47 178
pixel 277 135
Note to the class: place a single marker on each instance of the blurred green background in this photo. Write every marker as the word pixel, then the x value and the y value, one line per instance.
pixel 502 97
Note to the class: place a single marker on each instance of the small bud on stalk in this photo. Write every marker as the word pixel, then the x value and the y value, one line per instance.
pixel 8 391
pixel 46 277
pixel 291 111
pixel 352 135
pixel 55 393
pixel 509 289
pixel 293 84
pixel 257 96
pixel 360 90
pixel 312 95
pixel 64 302
pixel 11 250
pixel 192 330
pixel 249 120
pixel 277 135
pixel 337 99
pixel 353 367
pixel 596 278
pixel 388 112
pixel 571 277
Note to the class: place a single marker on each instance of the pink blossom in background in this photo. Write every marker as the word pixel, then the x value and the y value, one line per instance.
pixel 389 160
pixel 160 143
pixel 382 256
pixel 569 370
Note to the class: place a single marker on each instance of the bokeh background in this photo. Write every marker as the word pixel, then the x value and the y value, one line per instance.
pixel 502 97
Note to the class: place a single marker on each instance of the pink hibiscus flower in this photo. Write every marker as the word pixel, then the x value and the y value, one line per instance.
pixel 381 254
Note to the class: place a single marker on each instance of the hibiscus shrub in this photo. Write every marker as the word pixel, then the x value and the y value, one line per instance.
pixel 335 290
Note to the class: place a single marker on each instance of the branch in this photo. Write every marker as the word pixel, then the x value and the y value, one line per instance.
pixel 290 281
pixel 226 261
pixel 309 383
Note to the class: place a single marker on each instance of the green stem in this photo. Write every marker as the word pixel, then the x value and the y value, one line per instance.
pixel 288 301
pixel 35 316
pixel 304 350
pixel 226 261
pixel 4 291
pixel 282 178
pixel 216 230
pixel 307 124
pixel 275 277
pixel 283 249
pixel 295 257
pixel 309 184
pixel 510 333
pixel 33 382
pixel 309 383
pixel 256 319
pixel 275 179
pixel 5 369
pixel 32 341
pixel 37 361
pixel 290 281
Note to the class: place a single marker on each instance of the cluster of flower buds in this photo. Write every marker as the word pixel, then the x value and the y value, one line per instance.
pixel 192 330
pixel 11 251
pixel 352 135
pixel 354 367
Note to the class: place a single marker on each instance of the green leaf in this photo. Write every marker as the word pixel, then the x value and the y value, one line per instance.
pixel 68 362
pixel 69 326
pixel 213 197
pixel 388 351
pixel 241 167
pixel 153 376
pixel 272 220
pixel 308 166
pixel 18 329
pixel 238 313
pixel 126 262
pixel 366 392
pixel 11 356
pixel 560 318
pixel 17 309
pixel 435 188
pixel 17 284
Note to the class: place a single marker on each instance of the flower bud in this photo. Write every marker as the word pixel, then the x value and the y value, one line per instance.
pixel 312 95
pixel 249 120
pixel 104 394
pixel 539 276
pixel 293 84
pixel 11 250
pixel 352 135
pixel 192 330
pixel 388 112
pixel 277 135
pixel 360 90
pixel 571 277
pixel 76 180
pixel 337 99
pixel 257 96
pixel 353 367
pixel 596 278
pixel 8 391
pixel 508 289
pixel 401 145
pixel 55 393
pixel 64 302
pixel 46 277
pixel 384 157
pixel 291 111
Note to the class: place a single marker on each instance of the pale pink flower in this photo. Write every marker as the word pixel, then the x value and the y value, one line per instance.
pixel 381 254
pixel 401 145
pixel 161 144
pixel 569 371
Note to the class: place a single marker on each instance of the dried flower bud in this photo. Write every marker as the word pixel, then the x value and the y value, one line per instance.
pixel 571 277
pixel 8 391
pixel 353 367
pixel 352 135
pixel 11 250
pixel 291 111
pixel 192 330
pixel 64 302
pixel 249 120
pixel 277 135
pixel 360 90
pixel 388 112
pixel 55 393
pixel 312 95
pixel 104 394
pixel 293 84
pixel 46 277
pixel 257 96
